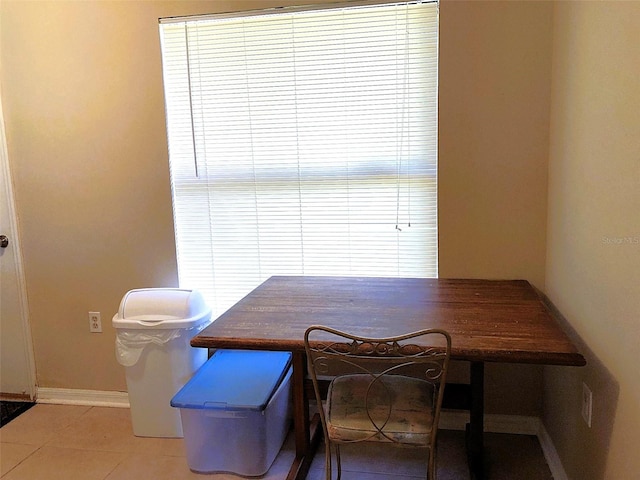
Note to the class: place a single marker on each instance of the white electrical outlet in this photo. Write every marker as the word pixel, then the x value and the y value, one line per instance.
pixel 95 324
pixel 587 404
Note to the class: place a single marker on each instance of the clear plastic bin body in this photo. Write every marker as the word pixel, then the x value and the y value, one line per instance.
pixel 236 412
pixel 154 328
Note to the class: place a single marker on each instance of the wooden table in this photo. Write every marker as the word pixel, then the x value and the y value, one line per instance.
pixel 489 321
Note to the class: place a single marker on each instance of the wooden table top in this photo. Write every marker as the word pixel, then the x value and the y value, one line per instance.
pixel 489 320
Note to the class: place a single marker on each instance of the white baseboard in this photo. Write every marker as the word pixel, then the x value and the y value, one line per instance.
pixel 94 398
pixel 516 424
pixel 449 419
pixel 453 420
pixel 551 454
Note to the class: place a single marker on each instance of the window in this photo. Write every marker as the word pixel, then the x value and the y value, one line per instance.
pixel 302 142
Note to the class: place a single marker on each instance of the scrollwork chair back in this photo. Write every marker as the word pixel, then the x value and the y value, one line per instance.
pixel 381 389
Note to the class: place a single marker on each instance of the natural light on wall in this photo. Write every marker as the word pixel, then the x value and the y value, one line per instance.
pixel 302 142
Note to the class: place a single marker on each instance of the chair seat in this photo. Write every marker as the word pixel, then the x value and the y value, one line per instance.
pixel 396 409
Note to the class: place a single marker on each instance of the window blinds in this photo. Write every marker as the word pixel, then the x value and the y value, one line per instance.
pixel 302 142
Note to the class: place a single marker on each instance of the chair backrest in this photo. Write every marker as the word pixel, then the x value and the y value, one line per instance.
pixel 423 354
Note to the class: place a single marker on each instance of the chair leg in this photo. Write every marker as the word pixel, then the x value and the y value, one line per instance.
pixel 338 464
pixel 431 468
pixel 327 459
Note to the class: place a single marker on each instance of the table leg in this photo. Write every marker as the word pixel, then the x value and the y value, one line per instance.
pixel 307 436
pixel 475 428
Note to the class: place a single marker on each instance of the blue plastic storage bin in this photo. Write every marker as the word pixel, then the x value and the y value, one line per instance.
pixel 236 411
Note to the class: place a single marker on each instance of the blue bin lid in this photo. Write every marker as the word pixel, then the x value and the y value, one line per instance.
pixel 234 380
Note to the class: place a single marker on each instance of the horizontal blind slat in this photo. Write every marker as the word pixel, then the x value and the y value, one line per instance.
pixel 315 134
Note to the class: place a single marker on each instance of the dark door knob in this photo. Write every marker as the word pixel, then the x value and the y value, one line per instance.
pixel 4 241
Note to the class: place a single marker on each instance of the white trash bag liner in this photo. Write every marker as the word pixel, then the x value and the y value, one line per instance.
pixel 131 343
pixel 156 316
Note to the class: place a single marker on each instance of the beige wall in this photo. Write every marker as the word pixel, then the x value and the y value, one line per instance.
pixel 495 78
pixel 82 92
pixel 593 249
pixel 83 105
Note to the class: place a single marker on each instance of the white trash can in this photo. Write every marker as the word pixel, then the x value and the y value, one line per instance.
pixel 154 327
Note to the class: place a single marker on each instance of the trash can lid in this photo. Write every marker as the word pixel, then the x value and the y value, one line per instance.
pixel 235 380
pixel 161 308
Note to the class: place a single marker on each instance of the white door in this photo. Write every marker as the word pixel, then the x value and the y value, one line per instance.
pixel 17 370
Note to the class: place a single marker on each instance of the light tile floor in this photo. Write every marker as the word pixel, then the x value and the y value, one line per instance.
pixel 69 442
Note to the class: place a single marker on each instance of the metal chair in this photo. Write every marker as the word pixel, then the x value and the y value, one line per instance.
pixel 381 389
